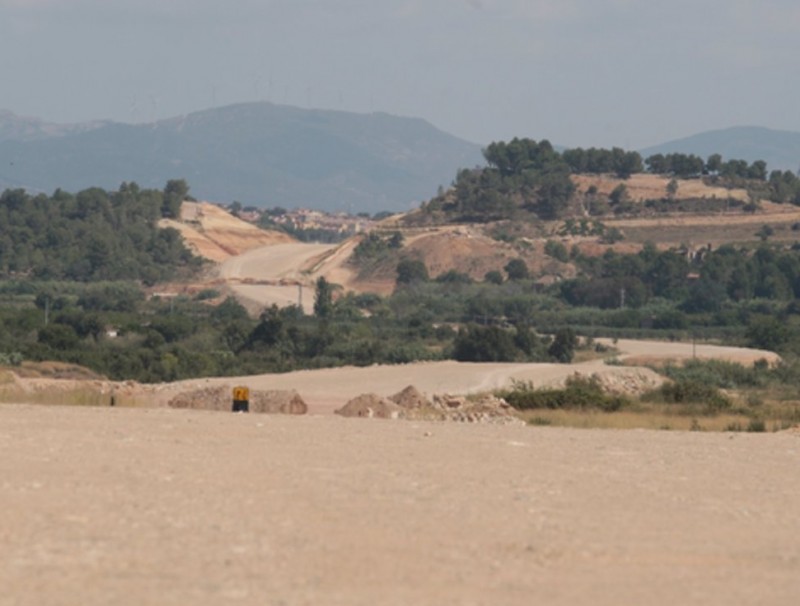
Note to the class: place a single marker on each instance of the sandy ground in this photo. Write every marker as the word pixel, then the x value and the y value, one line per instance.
pixel 158 506
pixel 325 390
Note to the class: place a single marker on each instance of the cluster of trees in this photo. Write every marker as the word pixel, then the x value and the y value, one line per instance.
pixel 624 163
pixel 376 244
pixel 689 165
pixel 615 161
pixel 784 186
pixel 525 176
pixel 93 235
pixel 476 343
pixel 678 165
pixel 170 339
pixel 703 284
pixel 521 174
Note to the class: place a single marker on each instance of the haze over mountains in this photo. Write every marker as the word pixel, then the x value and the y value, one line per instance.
pixel 256 153
pixel 267 155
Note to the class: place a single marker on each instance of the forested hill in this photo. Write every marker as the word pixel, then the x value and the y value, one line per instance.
pixel 93 235
pixel 258 154
pixel 525 179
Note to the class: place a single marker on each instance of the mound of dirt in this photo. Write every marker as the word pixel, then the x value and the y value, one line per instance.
pixel 219 398
pixel 410 398
pixel 617 380
pixel 481 409
pixel 411 404
pixel 371 405
pixel 630 381
pixel 278 401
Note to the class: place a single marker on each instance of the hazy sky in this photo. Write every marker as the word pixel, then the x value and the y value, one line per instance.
pixel 578 72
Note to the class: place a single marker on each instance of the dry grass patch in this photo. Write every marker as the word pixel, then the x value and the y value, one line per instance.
pixel 55 370
pixel 656 419
pixel 71 396
pixel 644 186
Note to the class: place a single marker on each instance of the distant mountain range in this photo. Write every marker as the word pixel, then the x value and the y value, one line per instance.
pixel 778 148
pixel 259 154
pixel 21 128
pixel 266 155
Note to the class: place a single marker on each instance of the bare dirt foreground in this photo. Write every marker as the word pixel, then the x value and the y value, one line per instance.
pixel 160 506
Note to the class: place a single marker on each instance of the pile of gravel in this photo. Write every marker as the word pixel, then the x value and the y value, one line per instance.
pixel 371 405
pixel 410 403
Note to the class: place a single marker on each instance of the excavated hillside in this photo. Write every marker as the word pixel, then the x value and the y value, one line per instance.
pixel 469 250
pixel 213 233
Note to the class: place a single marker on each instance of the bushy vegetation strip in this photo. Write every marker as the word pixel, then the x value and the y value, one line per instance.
pixel 579 393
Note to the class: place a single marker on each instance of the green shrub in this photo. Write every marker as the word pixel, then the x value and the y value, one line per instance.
pixel 485 344
pixel 493 277
pixel 690 391
pixel 556 250
pixel 718 373
pixel 583 393
pixel 206 294
pixel 13 358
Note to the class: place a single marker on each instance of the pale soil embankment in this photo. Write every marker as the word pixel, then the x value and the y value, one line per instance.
pixel 213 233
pixel 127 507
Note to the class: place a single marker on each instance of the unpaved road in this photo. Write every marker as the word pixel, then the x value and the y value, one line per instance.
pixel 274 264
pixel 173 507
